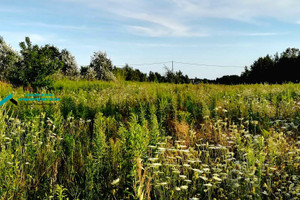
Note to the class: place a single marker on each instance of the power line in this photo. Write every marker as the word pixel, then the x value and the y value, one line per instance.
pixel 156 63
pixel 207 65
pixel 186 63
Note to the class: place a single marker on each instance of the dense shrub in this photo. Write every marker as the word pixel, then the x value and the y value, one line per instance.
pixel 36 65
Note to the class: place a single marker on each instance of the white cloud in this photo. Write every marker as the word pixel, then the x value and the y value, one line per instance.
pixel 144 18
pixel 240 10
pixel 235 9
pixel 177 18
pixel 163 32
pixel 163 22
pixel 140 30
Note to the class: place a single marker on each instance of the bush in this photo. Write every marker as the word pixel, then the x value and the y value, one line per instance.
pixel 36 65
pixel 102 66
pixel 8 58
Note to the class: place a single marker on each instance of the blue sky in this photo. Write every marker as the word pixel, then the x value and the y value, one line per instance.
pixel 213 32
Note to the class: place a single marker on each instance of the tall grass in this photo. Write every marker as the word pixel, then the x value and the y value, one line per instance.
pixel 132 140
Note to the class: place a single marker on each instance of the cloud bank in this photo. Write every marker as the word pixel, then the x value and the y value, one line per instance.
pixel 184 18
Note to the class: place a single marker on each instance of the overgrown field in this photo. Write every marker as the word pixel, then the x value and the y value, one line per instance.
pixel 152 141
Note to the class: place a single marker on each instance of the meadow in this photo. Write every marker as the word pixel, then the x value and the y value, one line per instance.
pixel 130 140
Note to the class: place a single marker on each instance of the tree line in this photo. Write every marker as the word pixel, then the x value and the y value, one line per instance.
pixel 269 69
pixel 38 66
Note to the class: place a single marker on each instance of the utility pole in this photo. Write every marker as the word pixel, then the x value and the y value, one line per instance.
pixel 172 67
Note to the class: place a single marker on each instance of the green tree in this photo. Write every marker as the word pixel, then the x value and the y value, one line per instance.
pixel 170 76
pixel 276 69
pixel 8 58
pixel 261 69
pixel 152 77
pixel 36 65
pixel 102 66
pixel 288 66
pixel 119 73
pixel 69 64
pixel 86 72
